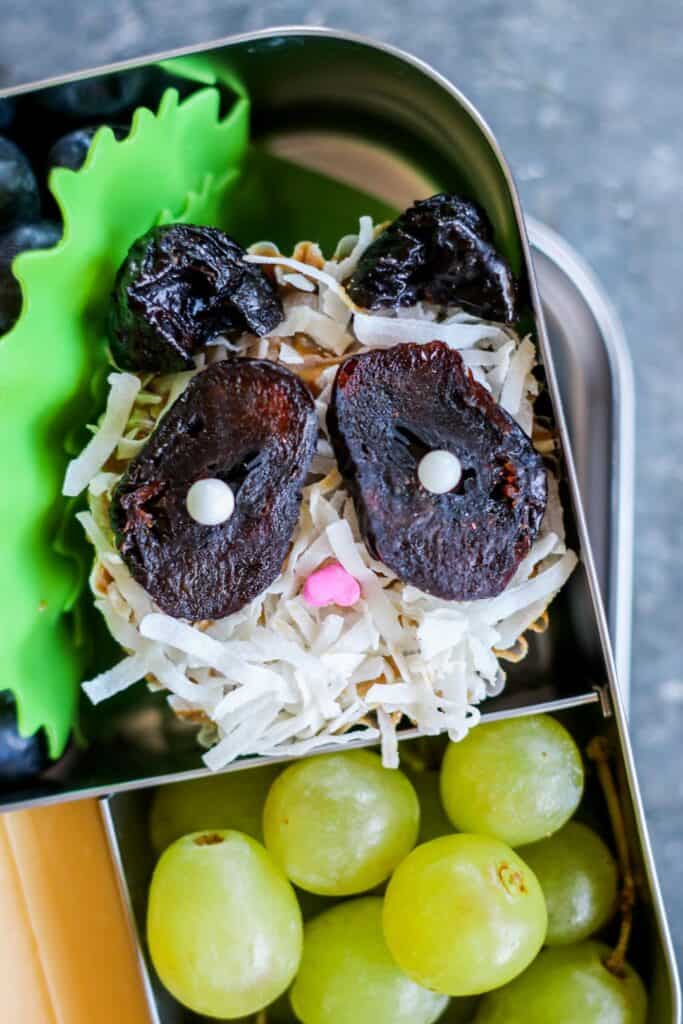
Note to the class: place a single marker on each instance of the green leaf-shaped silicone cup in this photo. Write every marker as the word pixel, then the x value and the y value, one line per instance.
pixel 52 360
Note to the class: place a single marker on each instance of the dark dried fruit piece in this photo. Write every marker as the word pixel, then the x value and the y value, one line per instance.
pixel 179 287
pixel 250 423
pixel 438 251
pixel 388 409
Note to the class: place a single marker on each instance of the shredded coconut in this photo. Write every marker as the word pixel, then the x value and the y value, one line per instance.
pixel 384 331
pixel 279 677
pixel 306 270
pixel 123 388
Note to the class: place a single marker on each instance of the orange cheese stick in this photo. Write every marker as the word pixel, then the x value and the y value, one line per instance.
pixel 66 952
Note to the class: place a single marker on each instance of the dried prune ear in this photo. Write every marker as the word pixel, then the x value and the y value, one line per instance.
pixel 179 287
pixel 251 424
pixel 440 250
pixel 388 409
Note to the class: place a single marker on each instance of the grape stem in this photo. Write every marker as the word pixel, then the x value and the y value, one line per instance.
pixel 598 751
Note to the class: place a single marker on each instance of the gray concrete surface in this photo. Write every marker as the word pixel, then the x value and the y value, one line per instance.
pixel 585 98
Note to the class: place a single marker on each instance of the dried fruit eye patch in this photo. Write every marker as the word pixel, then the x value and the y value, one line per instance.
pixel 392 409
pixel 250 425
pixel 322 509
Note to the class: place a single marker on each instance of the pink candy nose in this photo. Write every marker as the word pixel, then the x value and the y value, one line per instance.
pixel 331 585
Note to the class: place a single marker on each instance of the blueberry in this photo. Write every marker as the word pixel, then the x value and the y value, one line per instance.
pixel 104 96
pixel 7 108
pixel 21 757
pixel 19 196
pixel 71 150
pixel 41 234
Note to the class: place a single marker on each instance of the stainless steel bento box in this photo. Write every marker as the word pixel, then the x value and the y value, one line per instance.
pixel 389 123
pixel 400 131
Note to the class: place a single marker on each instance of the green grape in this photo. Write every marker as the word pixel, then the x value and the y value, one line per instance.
pixel 234 800
pixel 433 819
pixel 518 780
pixel 223 926
pixel 464 914
pixel 578 877
pixel 340 823
pixel 347 975
pixel 568 985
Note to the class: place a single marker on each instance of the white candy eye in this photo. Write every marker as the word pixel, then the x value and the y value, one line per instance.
pixel 439 471
pixel 210 502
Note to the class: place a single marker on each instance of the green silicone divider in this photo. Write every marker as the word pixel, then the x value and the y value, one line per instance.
pixel 285 203
pixel 273 199
pixel 51 367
